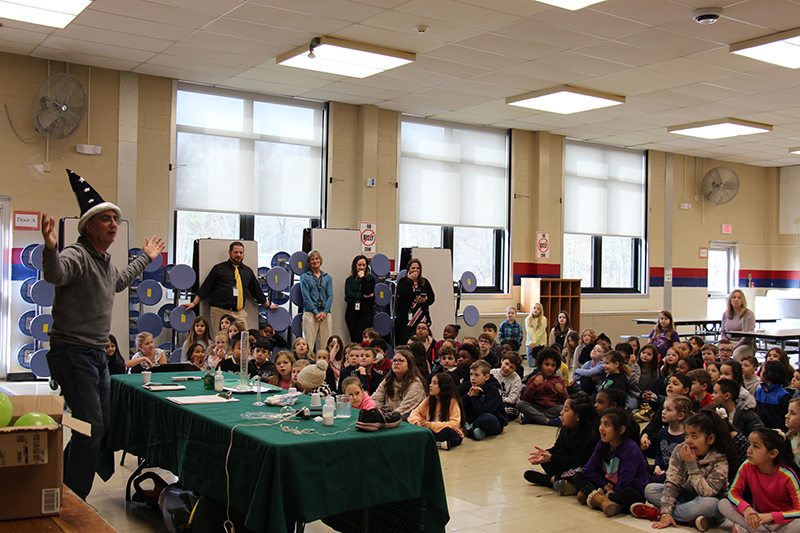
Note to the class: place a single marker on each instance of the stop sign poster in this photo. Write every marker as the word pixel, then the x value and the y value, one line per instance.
pixel 542 245
pixel 367 231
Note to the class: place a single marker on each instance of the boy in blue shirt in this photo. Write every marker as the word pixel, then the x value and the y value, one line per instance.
pixel 483 405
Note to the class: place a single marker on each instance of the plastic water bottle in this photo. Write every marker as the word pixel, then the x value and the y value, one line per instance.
pixel 219 381
pixel 208 379
pixel 328 411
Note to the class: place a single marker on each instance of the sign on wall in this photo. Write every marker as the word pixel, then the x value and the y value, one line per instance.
pixel 542 245
pixel 26 220
pixel 368 231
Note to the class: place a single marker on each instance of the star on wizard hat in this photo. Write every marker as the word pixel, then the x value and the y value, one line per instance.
pixel 88 200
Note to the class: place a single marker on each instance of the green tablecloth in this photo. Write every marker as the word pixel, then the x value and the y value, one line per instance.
pixel 275 476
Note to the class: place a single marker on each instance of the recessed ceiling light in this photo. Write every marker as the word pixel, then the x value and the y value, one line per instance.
pixel 570 4
pixel 345 58
pixel 565 99
pixel 782 49
pixel 720 128
pixel 54 13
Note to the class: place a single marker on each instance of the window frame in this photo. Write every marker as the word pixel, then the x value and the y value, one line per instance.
pixel 247 220
pixel 501 236
pixel 639 266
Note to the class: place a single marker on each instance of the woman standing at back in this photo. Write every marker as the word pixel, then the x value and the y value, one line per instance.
pixel 359 293
pixel 414 298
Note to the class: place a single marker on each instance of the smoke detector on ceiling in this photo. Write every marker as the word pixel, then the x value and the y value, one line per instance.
pixel 707 15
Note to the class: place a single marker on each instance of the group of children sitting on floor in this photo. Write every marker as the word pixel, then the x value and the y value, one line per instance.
pixel 716 429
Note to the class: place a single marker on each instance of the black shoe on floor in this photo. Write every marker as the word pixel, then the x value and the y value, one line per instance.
pixel 537 478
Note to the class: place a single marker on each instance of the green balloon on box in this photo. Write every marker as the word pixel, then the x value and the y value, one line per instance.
pixel 35 419
pixel 6 410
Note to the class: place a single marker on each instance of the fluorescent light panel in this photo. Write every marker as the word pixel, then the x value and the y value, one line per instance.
pixel 720 128
pixel 782 49
pixel 345 58
pixel 795 151
pixel 565 99
pixel 570 4
pixel 54 13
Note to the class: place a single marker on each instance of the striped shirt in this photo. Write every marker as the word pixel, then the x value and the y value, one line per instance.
pixel 777 493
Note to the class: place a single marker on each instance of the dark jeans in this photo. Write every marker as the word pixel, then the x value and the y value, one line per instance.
pixel 625 497
pixel 489 423
pixel 356 324
pixel 450 435
pixel 82 373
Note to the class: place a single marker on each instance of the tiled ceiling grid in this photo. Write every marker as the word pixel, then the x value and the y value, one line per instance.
pixel 473 55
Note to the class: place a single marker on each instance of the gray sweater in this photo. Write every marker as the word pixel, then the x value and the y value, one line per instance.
pixel 86 283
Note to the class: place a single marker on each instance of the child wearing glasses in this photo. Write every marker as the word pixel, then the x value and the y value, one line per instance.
pixel 402 388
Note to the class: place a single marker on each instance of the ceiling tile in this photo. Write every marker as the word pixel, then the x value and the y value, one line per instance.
pixel 219 41
pixel 264 87
pixel 482 89
pixel 471 56
pixel 615 86
pixel 777 15
pixel 707 91
pixel 650 78
pixel 450 68
pixel 410 41
pixel 541 71
pixel 114 38
pixel 520 8
pixel 197 65
pixel 191 51
pixel 500 44
pixel 76 46
pixel 515 81
pixel 154 12
pixel 654 13
pixel 338 9
pixel 687 68
pixel 623 53
pixel 283 18
pixel 413 109
pixel 583 64
pixel 215 7
pixel 458 13
pixel 667 42
pixel 345 87
pixel 407 22
pixel 22 37
pixel 540 32
pixel 447 94
pixel 260 32
pixel 746 83
pixel 110 21
pixel 69 56
pixel 180 74
pixel 293 78
pixel 591 22
pixel 14 47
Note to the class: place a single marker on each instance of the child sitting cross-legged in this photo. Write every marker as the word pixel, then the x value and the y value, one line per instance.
pixel 545 391
pixel 701 386
pixel 608 399
pixel 483 406
pixel 772 400
pixel 696 478
pixel 616 474
pixel 446 363
pixel 575 442
pixel 675 412
pixel 770 473
pixel 677 385
pixel 510 382
pixel 441 412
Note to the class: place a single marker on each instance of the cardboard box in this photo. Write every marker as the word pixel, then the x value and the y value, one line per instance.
pixel 31 461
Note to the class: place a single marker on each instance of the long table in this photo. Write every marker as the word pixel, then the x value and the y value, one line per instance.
pixel 702 325
pixel 775 335
pixel 277 477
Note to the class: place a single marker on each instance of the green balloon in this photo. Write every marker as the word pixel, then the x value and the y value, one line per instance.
pixel 35 419
pixel 6 410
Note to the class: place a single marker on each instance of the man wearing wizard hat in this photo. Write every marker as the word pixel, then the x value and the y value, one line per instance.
pixel 86 281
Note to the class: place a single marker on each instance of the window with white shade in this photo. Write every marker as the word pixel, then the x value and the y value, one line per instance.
pixel 605 201
pixel 248 166
pixel 454 193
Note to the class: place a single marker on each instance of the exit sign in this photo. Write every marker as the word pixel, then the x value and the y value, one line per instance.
pixel 727 229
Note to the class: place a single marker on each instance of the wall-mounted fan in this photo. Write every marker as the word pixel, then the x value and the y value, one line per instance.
pixel 59 106
pixel 720 185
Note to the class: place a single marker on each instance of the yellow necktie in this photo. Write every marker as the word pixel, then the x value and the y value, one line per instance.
pixel 239 291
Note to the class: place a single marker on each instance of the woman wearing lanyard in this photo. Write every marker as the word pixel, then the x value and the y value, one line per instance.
pixel 317 287
pixel 359 293
pixel 414 297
